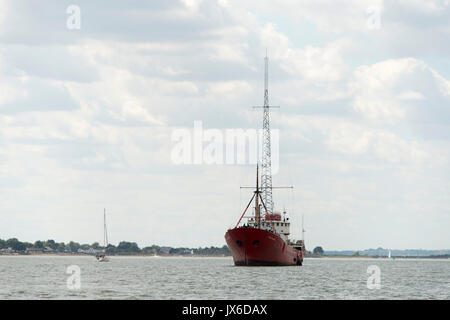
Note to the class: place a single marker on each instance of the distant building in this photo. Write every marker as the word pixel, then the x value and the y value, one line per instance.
pixel 35 250
pixel 90 251
pixel 7 251
pixel 165 250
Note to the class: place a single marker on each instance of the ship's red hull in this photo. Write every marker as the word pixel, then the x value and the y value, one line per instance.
pixel 258 247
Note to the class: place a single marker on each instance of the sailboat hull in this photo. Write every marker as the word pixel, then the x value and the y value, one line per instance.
pixel 257 247
pixel 103 260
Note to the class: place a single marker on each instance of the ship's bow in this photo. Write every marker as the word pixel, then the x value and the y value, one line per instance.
pixel 236 241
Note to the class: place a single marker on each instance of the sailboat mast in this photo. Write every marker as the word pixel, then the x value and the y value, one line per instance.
pixel 105 231
pixel 303 231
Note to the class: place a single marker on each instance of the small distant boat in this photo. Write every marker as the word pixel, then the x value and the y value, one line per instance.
pixel 390 256
pixel 102 256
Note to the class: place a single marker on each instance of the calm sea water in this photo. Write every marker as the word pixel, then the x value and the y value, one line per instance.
pixel 39 277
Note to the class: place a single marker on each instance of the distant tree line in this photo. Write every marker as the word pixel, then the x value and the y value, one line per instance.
pixel 124 248
pixel 318 251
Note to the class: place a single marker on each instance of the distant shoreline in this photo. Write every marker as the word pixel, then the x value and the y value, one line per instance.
pixel 443 257
pixel 13 246
pixel 116 255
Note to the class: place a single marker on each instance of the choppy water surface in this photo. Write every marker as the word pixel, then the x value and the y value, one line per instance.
pixel 42 277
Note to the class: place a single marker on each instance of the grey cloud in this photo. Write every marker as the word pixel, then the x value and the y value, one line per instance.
pixel 51 62
pixel 44 22
pixel 39 95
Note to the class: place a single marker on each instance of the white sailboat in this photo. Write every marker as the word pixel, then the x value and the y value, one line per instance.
pixel 102 256
pixel 389 254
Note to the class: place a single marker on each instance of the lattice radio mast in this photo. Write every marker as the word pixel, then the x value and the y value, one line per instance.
pixel 266 162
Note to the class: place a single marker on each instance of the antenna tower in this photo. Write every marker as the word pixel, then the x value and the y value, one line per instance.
pixel 266 165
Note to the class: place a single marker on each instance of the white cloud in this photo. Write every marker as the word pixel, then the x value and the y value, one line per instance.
pixel 339 16
pixel 316 64
pixel 433 7
pixel 229 89
pixel 393 90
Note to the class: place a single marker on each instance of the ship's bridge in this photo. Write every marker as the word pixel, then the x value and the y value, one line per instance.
pixel 281 224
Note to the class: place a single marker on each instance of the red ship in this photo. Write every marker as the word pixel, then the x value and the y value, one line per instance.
pixel 264 239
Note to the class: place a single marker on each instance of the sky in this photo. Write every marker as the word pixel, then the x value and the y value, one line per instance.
pixel 91 94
